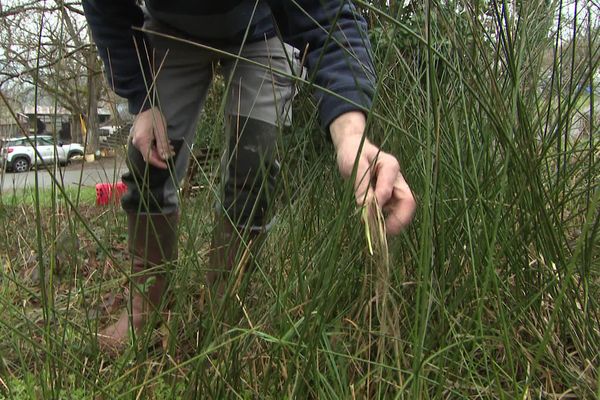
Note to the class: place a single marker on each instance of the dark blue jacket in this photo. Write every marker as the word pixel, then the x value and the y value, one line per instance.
pixel 334 33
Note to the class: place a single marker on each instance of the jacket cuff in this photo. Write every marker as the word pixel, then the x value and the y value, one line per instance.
pixel 351 99
pixel 138 103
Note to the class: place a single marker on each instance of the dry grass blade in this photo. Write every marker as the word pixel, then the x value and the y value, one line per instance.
pixel 376 235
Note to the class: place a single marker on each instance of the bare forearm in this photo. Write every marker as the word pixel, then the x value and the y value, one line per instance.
pixel 348 124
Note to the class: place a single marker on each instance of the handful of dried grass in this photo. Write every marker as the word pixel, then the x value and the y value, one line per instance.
pixel 375 232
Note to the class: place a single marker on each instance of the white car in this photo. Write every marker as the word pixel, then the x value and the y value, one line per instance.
pixel 18 155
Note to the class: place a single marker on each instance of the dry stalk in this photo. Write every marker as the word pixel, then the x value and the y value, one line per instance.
pixel 375 232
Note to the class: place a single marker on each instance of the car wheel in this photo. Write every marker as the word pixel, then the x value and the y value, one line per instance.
pixel 21 164
pixel 74 154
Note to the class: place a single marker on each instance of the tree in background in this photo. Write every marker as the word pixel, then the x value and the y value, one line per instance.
pixel 46 45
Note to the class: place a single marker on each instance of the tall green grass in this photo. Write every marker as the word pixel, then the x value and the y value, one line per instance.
pixel 492 292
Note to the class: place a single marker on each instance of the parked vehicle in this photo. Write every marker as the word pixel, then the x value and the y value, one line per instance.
pixel 18 155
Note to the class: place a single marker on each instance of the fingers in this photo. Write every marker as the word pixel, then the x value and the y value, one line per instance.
pixel 155 160
pixel 393 193
pixel 163 146
pixel 377 177
pixel 386 171
pixel 149 136
pixel 146 147
pixel 400 207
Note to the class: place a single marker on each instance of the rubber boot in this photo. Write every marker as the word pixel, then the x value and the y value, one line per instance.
pixel 232 251
pixel 250 169
pixel 153 246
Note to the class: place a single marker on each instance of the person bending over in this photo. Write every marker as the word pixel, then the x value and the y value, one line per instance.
pixel 161 58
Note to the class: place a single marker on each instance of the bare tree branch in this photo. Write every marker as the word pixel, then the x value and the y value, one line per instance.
pixel 37 6
pixel 52 63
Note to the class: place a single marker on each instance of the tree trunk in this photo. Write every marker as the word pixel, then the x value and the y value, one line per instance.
pixel 93 87
pixel 76 134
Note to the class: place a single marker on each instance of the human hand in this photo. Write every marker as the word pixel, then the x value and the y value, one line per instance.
pixel 149 136
pixel 378 173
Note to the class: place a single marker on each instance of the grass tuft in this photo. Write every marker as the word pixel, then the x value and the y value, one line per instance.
pixel 492 292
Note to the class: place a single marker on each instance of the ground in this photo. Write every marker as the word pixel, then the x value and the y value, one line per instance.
pixel 77 173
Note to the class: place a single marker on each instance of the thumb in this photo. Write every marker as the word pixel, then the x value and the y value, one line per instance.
pixel 143 144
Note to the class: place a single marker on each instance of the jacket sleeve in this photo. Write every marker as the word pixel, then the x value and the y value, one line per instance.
pixel 339 53
pixel 121 48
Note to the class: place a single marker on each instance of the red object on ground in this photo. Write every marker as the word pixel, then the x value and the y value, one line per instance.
pixel 107 192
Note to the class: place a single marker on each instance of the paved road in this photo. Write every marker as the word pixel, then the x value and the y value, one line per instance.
pixel 89 174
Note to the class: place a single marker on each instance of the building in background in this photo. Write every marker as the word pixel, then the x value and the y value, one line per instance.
pixel 47 120
pixel 9 127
